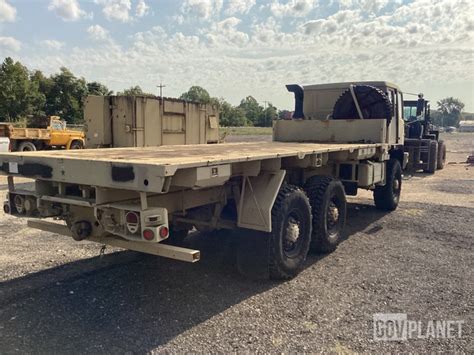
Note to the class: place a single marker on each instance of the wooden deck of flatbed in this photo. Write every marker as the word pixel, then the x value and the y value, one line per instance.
pixel 187 156
pixel 145 169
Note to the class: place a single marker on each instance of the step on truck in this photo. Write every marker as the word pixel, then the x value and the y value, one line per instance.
pixel 291 191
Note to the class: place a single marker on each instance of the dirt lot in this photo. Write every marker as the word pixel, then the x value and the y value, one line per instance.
pixel 59 296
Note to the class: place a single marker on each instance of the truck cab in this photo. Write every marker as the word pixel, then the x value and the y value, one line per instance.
pixel 56 124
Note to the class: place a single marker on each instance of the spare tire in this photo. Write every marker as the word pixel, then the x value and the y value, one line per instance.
pixel 373 103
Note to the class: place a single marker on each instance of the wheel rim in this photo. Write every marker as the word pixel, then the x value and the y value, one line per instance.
pixel 19 203
pixel 293 231
pixel 333 217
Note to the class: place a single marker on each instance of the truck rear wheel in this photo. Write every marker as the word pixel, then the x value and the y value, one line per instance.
pixel 329 209
pixel 441 155
pixel 26 147
pixel 387 197
pixel 433 158
pixel 291 232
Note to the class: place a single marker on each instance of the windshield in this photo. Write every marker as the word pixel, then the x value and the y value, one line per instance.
pixel 409 113
pixel 57 125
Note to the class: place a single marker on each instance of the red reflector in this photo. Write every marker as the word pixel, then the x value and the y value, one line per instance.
pixel 131 217
pixel 164 232
pixel 148 234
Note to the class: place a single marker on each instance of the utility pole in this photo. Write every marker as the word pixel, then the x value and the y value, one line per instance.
pixel 162 105
pixel 161 86
pixel 265 103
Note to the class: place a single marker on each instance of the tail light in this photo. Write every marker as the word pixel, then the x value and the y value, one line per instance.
pixel 164 232
pixel 132 222
pixel 148 234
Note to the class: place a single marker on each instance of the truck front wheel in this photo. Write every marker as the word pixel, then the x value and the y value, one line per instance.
pixel 76 145
pixel 291 232
pixel 26 147
pixel 433 158
pixel 387 197
pixel 329 209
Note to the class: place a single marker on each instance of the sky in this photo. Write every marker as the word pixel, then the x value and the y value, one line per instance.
pixel 237 48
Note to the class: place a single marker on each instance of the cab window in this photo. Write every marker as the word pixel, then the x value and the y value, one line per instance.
pixel 409 113
pixel 57 125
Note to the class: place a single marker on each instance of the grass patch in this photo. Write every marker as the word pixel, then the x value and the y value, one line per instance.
pixel 245 131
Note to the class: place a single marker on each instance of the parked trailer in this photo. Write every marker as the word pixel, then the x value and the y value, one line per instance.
pixel 292 190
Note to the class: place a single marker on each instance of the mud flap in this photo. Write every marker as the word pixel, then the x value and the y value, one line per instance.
pixel 257 197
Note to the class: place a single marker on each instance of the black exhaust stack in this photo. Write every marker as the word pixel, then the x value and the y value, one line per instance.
pixel 299 97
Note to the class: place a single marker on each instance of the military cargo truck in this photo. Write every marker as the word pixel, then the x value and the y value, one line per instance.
pixel 143 121
pixel 291 191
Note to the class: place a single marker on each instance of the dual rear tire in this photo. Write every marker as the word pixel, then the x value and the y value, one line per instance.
pixel 305 219
pixel 313 218
pixel 26 146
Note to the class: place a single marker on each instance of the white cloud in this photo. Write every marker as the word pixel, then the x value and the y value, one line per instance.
pixel 116 9
pixel 292 8
pixel 239 6
pixel 68 10
pixel 98 33
pixel 141 9
pixel 7 12
pixel 202 9
pixel 10 44
pixel 417 45
pixel 52 44
pixel 225 32
pixel 369 6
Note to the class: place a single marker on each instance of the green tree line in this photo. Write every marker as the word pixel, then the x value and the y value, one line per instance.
pixel 248 113
pixel 24 93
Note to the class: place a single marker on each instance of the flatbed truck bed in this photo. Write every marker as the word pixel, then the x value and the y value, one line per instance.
pixel 161 161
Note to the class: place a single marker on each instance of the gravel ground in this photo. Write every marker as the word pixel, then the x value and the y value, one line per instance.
pixel 59 296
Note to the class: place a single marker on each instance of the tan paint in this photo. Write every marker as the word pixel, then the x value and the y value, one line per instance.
pixel 139 121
